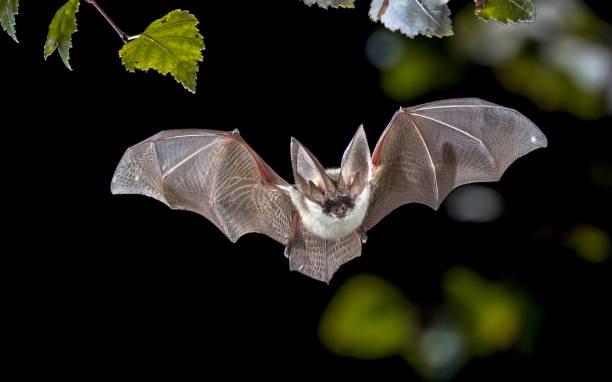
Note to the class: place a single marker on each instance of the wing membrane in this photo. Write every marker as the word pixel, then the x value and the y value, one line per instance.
pixel 428 150
pixel 213 173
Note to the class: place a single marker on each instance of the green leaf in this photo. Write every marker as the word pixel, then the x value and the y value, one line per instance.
pixel 506 11
pixel 61 29
pixel 172 44
pixel 8 10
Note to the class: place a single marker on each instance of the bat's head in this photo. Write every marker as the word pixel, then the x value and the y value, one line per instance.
pixel 335 190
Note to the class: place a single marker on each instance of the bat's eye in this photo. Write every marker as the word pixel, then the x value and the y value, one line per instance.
pixel 327 205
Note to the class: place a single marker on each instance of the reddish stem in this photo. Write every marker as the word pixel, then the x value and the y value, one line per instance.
pixel 122 35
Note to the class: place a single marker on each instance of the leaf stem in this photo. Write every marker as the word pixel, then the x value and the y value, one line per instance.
pixel 122 35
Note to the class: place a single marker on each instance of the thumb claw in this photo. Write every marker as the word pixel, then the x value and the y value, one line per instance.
pixel 362 235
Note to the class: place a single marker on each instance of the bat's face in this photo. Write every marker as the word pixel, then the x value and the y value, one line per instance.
pixel 338 207
pixel 337 203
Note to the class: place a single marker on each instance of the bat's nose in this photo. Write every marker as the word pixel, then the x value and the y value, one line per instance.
pixel 340 210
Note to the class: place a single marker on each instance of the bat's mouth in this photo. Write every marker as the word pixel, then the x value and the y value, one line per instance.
pixel 339 214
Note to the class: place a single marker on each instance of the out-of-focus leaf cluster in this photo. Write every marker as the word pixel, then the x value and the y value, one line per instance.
pixel 506 11
pixel 410 68
pixel 432 17
pixel 562 62
pixel 369 318
pixel 590 243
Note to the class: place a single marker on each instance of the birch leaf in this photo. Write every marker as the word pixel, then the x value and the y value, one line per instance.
pixel 60 33
pixel 172 44
pixel 8 10
pixel 414 17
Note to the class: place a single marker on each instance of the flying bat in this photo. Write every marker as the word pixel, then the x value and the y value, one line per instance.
pixel 423 154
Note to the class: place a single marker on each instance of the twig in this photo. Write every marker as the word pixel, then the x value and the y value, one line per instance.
pixel 122 35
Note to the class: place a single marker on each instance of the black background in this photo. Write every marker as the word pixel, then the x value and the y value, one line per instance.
pixel 112 286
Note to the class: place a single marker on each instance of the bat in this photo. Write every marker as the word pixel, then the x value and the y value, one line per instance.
pixel 322 220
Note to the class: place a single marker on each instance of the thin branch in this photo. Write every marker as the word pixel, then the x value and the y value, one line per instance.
pixel 122 35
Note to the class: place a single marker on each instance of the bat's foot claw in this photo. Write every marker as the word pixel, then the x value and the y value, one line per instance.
pixel 287 251
pixel 362 235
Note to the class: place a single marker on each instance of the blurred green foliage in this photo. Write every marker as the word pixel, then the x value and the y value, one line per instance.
pixel 590 243
pixel 491 315
pixel 562 62
pixel 418 70
pixel 506 11
pixel 550 89
pixel 601 175
pixel 411 68
pixel 369 318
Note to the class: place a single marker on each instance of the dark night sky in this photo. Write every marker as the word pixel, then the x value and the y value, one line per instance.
pixel 125 285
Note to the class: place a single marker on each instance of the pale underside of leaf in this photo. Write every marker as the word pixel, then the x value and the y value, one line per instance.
pixel 61 29
pixel 414 17
pixel 331 3
pixel 8 10
pixel 172 44
pixel 506 11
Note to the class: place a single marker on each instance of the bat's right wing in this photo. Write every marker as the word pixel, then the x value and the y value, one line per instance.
pixel 213 173
pixel 428 150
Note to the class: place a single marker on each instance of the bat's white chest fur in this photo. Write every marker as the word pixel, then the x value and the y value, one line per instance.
pixel 331 227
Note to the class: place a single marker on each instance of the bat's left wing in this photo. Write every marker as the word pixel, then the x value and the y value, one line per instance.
pixel 428 150
pixel 213 173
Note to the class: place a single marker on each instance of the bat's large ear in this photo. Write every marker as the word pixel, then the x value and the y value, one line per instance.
pixel 356 165
pixel 308 171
